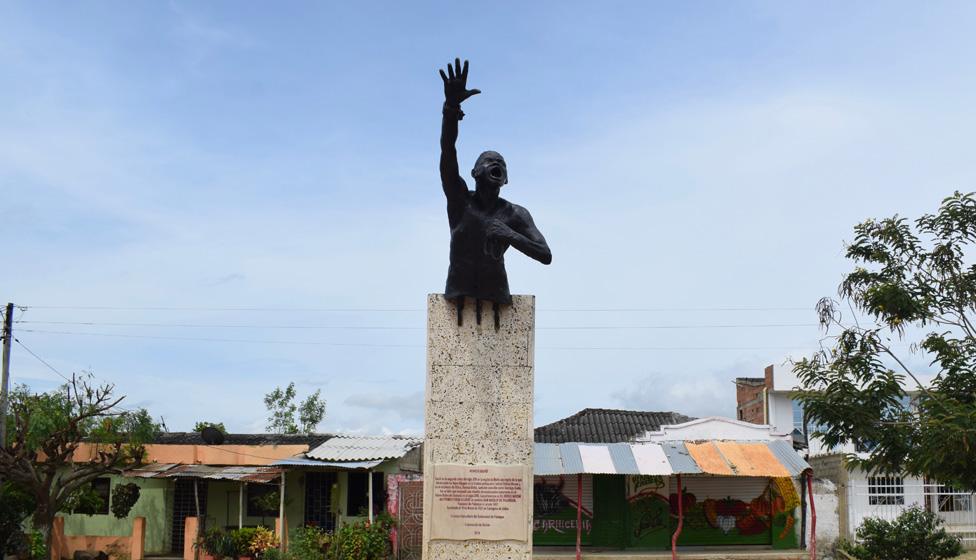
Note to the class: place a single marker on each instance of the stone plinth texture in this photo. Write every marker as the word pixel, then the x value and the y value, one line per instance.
pixel 478 412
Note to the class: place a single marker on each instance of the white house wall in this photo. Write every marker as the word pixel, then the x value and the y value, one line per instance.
pixel 859 501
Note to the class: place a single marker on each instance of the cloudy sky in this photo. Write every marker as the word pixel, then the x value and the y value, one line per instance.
pixel 201 201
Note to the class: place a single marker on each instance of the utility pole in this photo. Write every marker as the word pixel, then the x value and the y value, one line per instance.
pixel 8 334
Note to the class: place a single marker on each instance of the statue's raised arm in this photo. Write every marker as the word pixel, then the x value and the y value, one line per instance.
pixel 455 92
pixel 483 225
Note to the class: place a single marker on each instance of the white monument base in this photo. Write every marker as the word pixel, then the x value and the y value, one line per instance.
pixel 478 432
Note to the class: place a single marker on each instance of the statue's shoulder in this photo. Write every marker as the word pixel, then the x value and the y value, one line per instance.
pixel 515 209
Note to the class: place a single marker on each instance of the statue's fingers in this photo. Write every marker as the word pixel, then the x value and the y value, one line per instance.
pixel 464 70
pixel 472 92
pixel 443 76
pixel 457 67
pixel 450 71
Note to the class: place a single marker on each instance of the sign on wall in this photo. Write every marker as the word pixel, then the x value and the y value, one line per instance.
pixel 479 502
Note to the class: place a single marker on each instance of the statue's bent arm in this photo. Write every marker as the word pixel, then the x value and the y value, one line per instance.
pixel 523 235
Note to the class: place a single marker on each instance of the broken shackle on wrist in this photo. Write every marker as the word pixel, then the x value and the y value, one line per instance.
pixel 453 109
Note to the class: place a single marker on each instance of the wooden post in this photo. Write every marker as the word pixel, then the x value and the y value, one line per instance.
pixel 196 537
pixel 8 327
pixel 240 506
pixel 579 516
pixel 369 493
pixel 281 513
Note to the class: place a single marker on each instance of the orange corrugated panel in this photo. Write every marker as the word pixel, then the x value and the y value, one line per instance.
pixel 709 460
pixel 751 459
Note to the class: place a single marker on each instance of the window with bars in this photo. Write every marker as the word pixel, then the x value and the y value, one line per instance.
pixel 950 499
pixel 886 491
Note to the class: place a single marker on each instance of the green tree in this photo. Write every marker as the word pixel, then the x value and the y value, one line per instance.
pixel 199 426
pixel 45 432
pixel 914 283
pixel 282 408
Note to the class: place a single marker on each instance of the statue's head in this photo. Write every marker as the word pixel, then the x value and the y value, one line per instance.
pixel 490 170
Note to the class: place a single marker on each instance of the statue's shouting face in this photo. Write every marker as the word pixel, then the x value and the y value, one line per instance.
pixel 490 170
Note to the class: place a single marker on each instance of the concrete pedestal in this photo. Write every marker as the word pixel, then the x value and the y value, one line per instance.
pixel 478 420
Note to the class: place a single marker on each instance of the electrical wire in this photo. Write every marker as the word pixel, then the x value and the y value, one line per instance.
pixel 409 309
pixel 368 345
pixel 42 360
pixel 402 328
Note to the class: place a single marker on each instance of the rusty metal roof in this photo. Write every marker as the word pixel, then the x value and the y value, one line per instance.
pixel 363 448
pixel 714 457
pixel 208 472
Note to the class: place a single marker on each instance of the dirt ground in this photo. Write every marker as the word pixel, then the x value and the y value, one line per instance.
pixel 971 555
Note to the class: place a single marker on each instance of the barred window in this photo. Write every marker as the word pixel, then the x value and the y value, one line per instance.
pixel 886 491
pixel 951 499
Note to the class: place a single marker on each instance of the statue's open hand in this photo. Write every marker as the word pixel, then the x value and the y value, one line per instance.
pixel 456 83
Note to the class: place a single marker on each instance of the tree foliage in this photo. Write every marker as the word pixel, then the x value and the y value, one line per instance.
pixel 915 534
pixel 914 282
pixel 203 424
pixel 60 441
pixel 282 408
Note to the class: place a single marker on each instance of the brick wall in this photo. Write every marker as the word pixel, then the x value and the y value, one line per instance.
pixel 749 397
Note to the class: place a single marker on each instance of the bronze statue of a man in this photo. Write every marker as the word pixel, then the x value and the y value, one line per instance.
pixel 483 225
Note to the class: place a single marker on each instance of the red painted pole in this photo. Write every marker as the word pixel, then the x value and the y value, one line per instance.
pixel 579 516
pixel 813 517
pixel 681 520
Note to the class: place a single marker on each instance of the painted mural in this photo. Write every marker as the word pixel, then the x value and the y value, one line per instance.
pixel 555 509
pixel 649 509
pixel 738 517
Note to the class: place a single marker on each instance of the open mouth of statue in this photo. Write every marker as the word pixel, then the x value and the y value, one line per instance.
pixel 495 172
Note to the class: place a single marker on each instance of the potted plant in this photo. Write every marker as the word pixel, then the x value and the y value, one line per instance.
pixel 218 545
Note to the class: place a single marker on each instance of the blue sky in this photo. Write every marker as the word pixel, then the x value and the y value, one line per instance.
pixel 681 159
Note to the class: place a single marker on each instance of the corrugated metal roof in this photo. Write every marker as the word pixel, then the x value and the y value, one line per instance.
pixel 547 460
pixel 363 448
pixel 722 458
pixel 788 457
pixel 209 472
pixel 679 458
pixel 301 461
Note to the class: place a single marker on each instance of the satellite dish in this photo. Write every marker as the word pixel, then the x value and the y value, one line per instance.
pixel 212 436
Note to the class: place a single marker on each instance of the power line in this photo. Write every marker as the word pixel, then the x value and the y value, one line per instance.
pixel 42 360
pixel 209 339
pixel 412 309
pixel 367 345
pixel 403 328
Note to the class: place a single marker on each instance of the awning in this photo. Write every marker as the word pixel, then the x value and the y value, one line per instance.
pixel 207 472
pixel 721 458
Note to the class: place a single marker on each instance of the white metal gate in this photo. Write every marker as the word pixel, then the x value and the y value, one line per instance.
pixel 887 496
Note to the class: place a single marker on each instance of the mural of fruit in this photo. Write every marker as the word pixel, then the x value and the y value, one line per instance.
pixel 786 529
pixel 687 501
pixel 751 525
pixel 760 507
pixel 709 506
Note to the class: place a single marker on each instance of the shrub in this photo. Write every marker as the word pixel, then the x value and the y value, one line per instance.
pixel 124 496
pixel 219 544
pixel 309 543
pixel 915 534
pixel 242 539
pixel 363 540
pixel 262 541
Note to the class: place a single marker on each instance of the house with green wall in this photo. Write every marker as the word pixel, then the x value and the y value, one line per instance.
pixel 245 480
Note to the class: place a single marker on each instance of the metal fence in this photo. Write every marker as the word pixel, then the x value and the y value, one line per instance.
pixel 887 496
